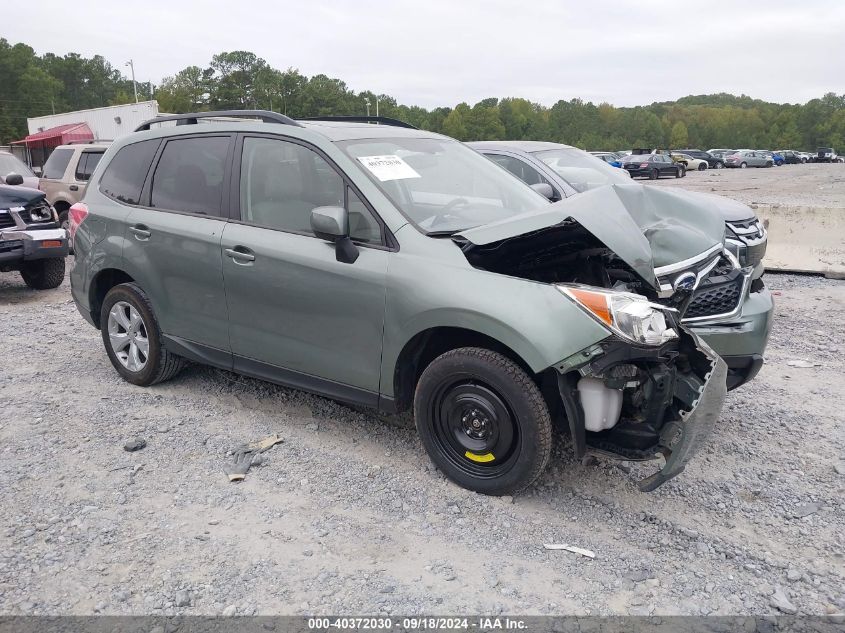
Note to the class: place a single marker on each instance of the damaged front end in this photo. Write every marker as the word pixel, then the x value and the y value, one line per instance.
pixel 652 388
pixel 638 403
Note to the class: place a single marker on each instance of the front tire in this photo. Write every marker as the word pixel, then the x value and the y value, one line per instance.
pixel 44 274
pixel 719 165
pixel 132 338
pixel 743 165
pixel 680 172
pixel 654 175
pixel 483 421
pixel 702 166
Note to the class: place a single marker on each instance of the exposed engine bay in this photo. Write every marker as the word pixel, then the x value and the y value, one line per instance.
pixel 621 399
pixel 565 253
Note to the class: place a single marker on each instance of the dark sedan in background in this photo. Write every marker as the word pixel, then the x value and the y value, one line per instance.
pixel 652 166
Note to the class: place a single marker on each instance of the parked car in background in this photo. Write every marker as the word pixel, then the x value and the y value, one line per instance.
pixel 791 157
pixel 11 164
pixel 652 166
pixel 610 158
pixel 31 241
pixel 713 161
pixel 622 153
pixel 777 159
pixel 748 158
pixel 689 163
pixel 826 155
pixel 368 264
pixel 731 309
pixel 806 157
pixel 66 174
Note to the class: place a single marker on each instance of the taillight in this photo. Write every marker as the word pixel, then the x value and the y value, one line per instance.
pixel 76 215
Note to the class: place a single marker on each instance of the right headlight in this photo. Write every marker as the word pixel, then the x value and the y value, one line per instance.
pixel 631 316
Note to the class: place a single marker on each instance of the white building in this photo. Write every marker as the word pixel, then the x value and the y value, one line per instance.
pixel 110 122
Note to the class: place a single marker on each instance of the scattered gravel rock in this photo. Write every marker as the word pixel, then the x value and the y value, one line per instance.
pixel 781 602
pixel 806 509
pixel 135 444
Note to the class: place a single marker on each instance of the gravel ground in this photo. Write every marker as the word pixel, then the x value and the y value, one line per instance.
pixel 812 185
pixel 348 516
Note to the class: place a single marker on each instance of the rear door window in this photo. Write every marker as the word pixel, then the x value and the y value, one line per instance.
pixel 55 167
pixel 124 176
pixel 189 175
pixel 87 163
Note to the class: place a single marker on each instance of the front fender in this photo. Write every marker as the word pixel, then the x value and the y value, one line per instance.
pixel 535 320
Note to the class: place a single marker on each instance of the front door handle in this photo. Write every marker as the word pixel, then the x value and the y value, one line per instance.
pixel 141 233
pixel 242 257
pixel 73 188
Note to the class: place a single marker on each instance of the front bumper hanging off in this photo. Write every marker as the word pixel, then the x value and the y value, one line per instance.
pixel 692 403
pixel 681 439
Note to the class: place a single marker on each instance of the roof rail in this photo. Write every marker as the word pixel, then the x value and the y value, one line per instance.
pixel 192 118
pixel 362 119
pixel 91 141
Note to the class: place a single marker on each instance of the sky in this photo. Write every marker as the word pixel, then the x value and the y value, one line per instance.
pixel 438 53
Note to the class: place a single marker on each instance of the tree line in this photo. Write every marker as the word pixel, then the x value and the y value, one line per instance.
pixel 35 85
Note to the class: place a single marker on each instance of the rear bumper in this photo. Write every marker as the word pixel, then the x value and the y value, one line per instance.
pixel 635 173
pixel 20 246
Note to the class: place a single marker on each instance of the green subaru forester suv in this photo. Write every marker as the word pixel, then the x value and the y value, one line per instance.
pixel 394 268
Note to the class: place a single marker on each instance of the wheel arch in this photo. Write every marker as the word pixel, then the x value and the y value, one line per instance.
pixel 102 282
pixel 426 345
pixel 61 205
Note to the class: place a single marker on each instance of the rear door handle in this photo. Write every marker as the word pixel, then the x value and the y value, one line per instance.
pixel 141 233
pixel 241 257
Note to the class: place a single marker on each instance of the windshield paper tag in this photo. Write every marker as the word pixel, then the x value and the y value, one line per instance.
pixel 390 167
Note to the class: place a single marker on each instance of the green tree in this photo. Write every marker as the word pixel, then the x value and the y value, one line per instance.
pixel 680 136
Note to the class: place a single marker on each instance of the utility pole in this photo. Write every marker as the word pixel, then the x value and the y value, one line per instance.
pixel 376 105
pixel 131 65
pixel 367 103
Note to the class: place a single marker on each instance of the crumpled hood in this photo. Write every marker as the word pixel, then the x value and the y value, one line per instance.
pixel 731 210
pixel 17 196
pixel 647 227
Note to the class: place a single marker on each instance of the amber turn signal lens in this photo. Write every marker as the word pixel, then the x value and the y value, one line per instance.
pixel 595 302
pixel 51 244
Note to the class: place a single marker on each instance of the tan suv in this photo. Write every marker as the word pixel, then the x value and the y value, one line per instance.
pixel 66 174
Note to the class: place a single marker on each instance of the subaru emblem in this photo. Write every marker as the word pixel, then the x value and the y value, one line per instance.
pixel 685 282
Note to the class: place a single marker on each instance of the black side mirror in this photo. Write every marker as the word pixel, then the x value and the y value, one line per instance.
pixel 332 224
pixel 14 179
pixel 544 189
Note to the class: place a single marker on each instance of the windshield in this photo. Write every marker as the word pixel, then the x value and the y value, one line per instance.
pixel 581 170
pixel 441 185
pixel 9 163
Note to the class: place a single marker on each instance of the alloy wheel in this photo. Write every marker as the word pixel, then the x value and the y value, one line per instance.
pixel 128 336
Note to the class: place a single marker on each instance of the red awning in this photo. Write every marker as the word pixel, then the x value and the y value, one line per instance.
pixel 60 135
